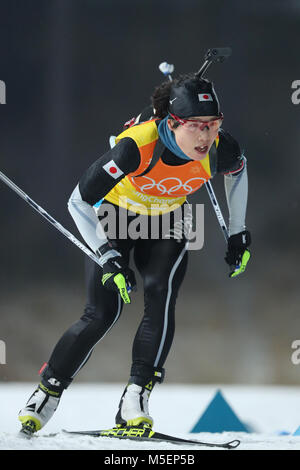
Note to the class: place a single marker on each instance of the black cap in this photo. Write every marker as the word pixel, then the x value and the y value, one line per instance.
pixel 193 97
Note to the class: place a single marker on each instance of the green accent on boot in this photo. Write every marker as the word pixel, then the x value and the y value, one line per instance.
pixel 30 424
pixel 149 386
pixel 139 421
pixel 47 390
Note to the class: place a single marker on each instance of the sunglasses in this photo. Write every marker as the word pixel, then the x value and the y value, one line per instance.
pixel 195 124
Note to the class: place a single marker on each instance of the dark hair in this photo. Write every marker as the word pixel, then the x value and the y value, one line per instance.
pixel 160 99
pixel 161 96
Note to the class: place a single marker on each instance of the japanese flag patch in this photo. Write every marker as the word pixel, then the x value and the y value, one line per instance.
pixel 205 97
pixel 112 169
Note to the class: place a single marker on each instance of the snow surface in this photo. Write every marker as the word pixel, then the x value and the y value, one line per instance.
pixel 269 410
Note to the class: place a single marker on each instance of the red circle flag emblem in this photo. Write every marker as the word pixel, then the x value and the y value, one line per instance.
pixel 112 169
pixel 205 97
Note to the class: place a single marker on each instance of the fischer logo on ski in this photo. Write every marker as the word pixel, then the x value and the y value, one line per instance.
pixel 146 433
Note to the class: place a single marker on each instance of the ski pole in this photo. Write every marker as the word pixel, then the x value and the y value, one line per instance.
pixel 48 217
pixel 212 55
pixel 217 209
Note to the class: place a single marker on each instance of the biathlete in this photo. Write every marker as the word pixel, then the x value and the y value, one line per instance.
pixel 156 162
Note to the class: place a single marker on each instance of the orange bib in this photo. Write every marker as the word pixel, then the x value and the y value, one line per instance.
pixel 164 185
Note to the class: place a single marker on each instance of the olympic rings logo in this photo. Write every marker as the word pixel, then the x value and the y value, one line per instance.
pixel 185 186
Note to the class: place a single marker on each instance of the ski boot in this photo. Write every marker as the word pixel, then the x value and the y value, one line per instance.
pixel 134 404
pixel 42 404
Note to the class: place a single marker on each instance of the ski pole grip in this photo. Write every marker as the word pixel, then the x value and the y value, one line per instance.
pixel 218 53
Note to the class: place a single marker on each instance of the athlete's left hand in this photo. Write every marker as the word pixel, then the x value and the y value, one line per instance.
pixel 237 255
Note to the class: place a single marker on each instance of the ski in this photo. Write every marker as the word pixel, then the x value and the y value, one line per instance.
pixel 143 433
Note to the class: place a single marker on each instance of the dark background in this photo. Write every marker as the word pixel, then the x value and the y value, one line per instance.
pixel 75 71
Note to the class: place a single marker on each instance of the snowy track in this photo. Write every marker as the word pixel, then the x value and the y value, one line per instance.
pixel 251 441
pixel 176 408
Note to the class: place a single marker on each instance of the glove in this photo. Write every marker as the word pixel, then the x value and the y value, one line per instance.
pixel 237 255
pixel 117 276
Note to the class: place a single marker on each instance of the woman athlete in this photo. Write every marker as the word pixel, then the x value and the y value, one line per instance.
pixel 143 181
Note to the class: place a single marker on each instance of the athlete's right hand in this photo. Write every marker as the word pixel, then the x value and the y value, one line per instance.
pixel 117 276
